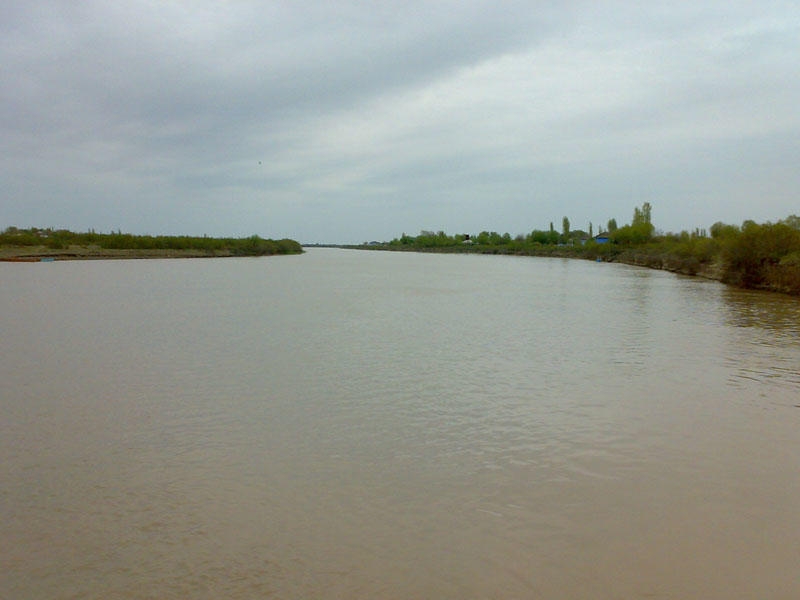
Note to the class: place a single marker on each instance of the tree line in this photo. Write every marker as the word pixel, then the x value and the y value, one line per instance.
pixel 59 239
pixel 640 230
pixel 751 255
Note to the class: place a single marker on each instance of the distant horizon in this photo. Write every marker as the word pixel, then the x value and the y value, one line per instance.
pixel 597 228
pixel 411 232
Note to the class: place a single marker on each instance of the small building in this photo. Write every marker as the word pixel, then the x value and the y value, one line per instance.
pixel 601 238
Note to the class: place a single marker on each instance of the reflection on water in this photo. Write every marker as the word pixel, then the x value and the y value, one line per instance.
pixel 765 331
pixel 777 315
pixel 382 425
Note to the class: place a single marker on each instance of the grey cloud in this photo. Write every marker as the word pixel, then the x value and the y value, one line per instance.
pixel 225 117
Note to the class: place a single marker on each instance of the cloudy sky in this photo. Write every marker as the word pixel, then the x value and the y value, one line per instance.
pixel 351 121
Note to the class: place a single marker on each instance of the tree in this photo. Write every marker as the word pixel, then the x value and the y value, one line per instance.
pixel 755 254
pixel 640 231
pixel 792 221
pixel 611 227
pixel 642 226
pixel 565 228
pixel 543 237
pixel 720 230
pixel 642 216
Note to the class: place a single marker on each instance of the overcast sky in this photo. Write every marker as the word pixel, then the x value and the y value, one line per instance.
pixel 352 121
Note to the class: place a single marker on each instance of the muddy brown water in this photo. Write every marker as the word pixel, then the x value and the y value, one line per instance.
pixel 348 424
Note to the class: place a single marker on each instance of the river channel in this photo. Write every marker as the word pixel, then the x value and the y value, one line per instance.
pixel 353 424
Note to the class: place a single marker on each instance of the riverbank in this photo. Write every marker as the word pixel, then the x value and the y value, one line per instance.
pixel 31 245
pixel 674 264
pixel 782 277
pixel 757 257
pixel 43 253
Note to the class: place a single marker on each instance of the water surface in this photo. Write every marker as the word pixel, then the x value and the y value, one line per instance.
pixel 348 424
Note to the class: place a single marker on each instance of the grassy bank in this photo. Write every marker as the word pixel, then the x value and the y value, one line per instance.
pixel 35 244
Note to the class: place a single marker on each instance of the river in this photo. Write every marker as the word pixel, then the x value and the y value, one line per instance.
pixel 352 424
